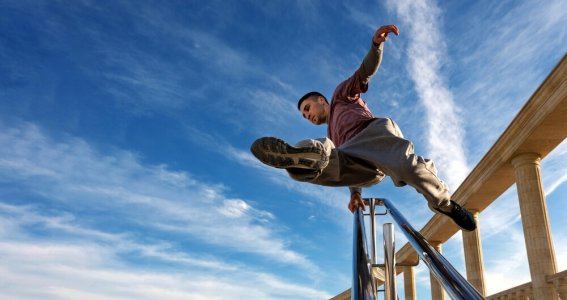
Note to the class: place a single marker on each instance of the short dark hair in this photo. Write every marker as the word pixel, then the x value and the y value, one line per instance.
pixel 309 95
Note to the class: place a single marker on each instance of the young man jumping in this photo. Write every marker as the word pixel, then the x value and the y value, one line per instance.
pixel 360 149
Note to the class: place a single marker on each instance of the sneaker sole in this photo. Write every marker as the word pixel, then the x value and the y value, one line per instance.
pixel 279 154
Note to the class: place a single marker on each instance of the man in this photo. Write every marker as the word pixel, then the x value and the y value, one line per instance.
pixel 360 149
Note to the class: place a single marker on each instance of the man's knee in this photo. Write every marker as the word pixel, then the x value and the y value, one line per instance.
pixel 415 168
pixel 396 129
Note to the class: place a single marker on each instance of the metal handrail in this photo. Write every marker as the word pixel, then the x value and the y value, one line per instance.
pixel 363 284
pixel 452 281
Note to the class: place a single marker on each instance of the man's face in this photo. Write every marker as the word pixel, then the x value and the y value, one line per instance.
pixel 314 110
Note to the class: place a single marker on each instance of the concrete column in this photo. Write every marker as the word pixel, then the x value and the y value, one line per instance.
pixel 409 283
pixel 437 292
pixel 535 221
pixel 473 257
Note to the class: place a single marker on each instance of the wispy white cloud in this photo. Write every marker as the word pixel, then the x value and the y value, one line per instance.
pixel 562 178
pixel 67 261
pixel 272 111
pixel 502 63
pixel 56 270
pixel 18 218
pixel 560 241
pixel 426 58
pixel 506 263
pixel 554 169
pixel 163 64
pixel 70 171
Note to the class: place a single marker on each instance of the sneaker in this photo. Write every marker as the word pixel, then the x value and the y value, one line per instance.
pixel 279 154
pixel 461 216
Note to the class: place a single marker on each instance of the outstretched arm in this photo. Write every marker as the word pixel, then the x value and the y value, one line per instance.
pixel 373 58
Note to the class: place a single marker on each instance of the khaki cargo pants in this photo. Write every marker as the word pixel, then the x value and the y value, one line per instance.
pixel 378 150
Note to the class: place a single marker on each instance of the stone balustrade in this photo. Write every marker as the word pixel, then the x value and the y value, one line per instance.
pixel 520 292
pixel 524 291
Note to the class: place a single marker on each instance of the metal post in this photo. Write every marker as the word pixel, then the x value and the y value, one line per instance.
pixel 372 205
pixel 389 262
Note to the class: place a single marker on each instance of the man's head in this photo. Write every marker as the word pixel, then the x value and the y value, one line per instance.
pixel 314 107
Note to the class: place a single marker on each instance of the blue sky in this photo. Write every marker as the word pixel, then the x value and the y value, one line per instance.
pixel 125 127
